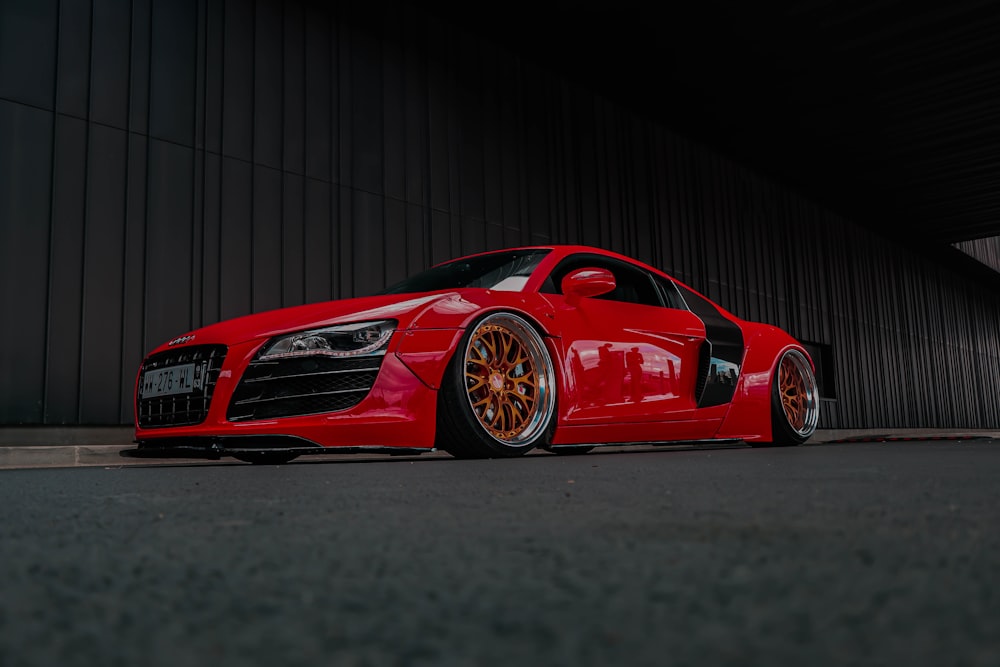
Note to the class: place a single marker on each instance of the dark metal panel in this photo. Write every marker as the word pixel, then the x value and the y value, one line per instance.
pixel 65 297
pixel 293 85
pixel 472 232
pixel 295 244
pixel 438 129
pixel 440 237
pixel 141 38
pixel 169 257
pixel 468 107
pixel 268 84
pixel 133 269
pixel 319 261
pixel 342 240
pixel 236 235
pixel 173 55
pixel 103 258
pixel 238 80
pixel 110 63
pixel 318 93
pixel 267 238
pixel 394 109
pixel 73 65
pixel 364 122
pixel 367 211
pixel 211 239
pixel 535 227
pixel 418 255
pixel 416 93
pixel 201 73
pixel 28 30
pixel 215 27
pixel 25 171
pixel 492 141
pixel 395 241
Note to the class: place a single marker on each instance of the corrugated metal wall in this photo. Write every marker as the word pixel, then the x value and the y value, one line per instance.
pixel 165 164
pixel 986 251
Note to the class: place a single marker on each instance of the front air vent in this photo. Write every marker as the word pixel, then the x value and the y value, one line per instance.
pixel 306 386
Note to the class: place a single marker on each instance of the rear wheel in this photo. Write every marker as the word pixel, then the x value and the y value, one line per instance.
pixel 794 400
pixel 498 396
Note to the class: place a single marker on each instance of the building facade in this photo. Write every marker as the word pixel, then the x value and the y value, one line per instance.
pixel 165 164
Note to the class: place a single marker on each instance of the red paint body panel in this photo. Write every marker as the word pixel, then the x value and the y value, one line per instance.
pixel 624 372
pixel 426 352
pixel 615 373
pixel 749 416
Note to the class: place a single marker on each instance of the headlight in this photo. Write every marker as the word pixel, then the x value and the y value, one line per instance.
pixel 345 340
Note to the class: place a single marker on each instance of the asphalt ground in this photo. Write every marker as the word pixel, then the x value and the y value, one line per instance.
pixel 827 554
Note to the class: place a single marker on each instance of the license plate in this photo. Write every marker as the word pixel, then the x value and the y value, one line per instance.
pixel 168 381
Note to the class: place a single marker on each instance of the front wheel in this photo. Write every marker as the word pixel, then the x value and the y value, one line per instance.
pixel 794 400
pixel 498 396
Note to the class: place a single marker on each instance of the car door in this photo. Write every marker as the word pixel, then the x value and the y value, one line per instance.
pixel 626 356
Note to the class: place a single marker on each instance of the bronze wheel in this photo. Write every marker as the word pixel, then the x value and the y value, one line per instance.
pixel 508 379
pixel 796 412
pixel 499 396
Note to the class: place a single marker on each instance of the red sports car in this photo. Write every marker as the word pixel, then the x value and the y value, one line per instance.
pixel 563 348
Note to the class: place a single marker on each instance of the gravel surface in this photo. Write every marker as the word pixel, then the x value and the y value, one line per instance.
pixel 884 554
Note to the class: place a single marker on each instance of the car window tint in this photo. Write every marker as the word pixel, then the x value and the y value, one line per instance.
pixel 508 271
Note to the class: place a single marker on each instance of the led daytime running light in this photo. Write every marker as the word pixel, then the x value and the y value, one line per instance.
pixel 372 336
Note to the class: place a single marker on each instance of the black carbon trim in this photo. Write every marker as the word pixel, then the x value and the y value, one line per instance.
pixel 722 356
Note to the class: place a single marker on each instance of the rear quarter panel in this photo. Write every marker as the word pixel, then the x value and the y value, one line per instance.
pixel 749 416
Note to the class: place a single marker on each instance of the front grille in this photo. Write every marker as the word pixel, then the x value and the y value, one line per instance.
pixel 304 386
pixel 187 408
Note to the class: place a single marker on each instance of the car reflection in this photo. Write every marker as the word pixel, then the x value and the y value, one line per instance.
pixel 609 374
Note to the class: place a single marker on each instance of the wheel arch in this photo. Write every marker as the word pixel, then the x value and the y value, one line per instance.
pixel 749 414
pixel 429 346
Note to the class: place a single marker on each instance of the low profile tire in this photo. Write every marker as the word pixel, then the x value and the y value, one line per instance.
pixel 498 395
pixel 794 400
pixel 265 458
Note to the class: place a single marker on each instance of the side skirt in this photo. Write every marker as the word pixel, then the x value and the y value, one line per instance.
pixel 655 443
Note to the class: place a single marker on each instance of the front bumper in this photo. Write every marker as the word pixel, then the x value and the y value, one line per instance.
pixel 397 414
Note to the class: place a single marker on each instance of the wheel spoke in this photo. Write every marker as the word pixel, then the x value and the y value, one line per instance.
pixel 508 344
pixel 488 342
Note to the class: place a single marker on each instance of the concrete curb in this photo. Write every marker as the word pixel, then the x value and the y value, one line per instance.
pixel 22 448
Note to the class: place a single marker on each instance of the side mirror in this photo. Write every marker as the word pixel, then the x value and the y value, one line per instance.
pixel 586 282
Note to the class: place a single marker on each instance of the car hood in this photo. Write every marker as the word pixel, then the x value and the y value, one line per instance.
pixel 404 308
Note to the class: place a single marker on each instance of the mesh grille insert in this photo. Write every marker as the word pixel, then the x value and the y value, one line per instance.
pixel 304 386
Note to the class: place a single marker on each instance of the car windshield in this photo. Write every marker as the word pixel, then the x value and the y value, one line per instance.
pixel 507 271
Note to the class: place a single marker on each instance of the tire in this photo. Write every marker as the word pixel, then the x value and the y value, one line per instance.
pixel 265 458
pixel 498 395
pixel 794 400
